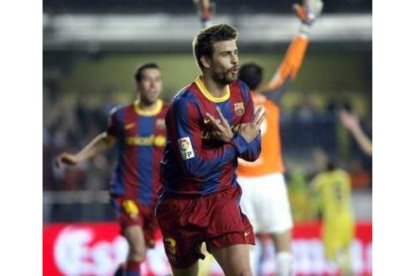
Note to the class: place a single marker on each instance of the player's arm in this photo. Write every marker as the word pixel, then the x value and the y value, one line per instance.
pixel 293 59
pixel 196 159
pixel 251 122
pixel 97 145
pixel 288 69
pixel 351 122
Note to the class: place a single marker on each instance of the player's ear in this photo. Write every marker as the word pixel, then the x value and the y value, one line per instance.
pixel 138 87
pixel 205 61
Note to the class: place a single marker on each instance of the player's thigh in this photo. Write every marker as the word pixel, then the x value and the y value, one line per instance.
pixel 182 239
pixel 234 259
pixel 134 235
pixel 282 240
pixel 150 226
pixel 189 271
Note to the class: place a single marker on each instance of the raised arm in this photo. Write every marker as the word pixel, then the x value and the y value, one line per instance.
pixel 292 61
pixel 351 122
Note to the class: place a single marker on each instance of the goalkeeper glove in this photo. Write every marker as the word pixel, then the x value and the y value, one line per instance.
pixel 308 11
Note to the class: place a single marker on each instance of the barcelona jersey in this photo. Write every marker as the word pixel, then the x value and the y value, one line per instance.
pixel 141 138
pixel 196 163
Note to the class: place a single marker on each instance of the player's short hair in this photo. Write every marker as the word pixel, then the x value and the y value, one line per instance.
pixel 251 74
pixel 205 39
pixel 142 67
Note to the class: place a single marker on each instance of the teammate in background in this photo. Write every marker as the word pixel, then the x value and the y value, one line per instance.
pixel 139 131
pixel 351 122
pixel 210 123
pixel 265 200
pixel 332 190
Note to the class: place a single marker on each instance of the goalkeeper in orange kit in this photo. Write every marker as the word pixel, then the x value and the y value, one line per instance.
pixel 264 199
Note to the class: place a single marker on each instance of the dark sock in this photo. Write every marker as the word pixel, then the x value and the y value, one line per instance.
pixel 120 271
pixel 133 268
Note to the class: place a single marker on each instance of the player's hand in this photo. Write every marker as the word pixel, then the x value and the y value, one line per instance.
pixel 349 120
pixel 249 131
pixel 308 11
pixel 66 158
pixel 221 128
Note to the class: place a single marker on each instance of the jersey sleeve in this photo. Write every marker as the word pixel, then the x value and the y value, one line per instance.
pixel 112 128
pixel 288 70
pixel 252 151
pixel 197 160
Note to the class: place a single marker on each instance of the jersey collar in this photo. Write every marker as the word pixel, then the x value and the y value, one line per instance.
pixel 152 112
pixel 200 84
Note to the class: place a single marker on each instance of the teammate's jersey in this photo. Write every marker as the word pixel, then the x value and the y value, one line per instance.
pixel 194 162
pixel 334 193
pixel 270 158
pixel 141 138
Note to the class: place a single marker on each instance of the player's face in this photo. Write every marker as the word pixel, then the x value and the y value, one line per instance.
pixel 150 85
pixel 225 62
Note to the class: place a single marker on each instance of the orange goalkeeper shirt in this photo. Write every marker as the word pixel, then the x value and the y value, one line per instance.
pixel 270 159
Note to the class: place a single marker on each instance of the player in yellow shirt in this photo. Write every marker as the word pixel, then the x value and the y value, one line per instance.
pixel 264 199
pixel 332 190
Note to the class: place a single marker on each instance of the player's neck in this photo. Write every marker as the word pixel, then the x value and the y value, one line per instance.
pixel 147 106
pixel 216 89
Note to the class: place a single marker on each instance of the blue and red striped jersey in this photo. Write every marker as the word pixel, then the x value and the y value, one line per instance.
pixel 194 162
pixel 141 138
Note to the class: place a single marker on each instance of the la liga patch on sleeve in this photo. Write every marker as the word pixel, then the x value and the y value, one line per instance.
pixel 186 148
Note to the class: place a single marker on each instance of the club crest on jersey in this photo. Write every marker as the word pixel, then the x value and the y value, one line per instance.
pixel 186 149
pixel 239 108
pixel 160 123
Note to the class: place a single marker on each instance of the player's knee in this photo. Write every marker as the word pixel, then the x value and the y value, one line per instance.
pixel 284 264
pixel 245 272
pixel 137 252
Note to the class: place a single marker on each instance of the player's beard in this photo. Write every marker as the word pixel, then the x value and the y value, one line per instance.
pixel 224 78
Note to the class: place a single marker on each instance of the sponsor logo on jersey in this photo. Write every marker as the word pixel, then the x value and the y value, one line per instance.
pixel 156 140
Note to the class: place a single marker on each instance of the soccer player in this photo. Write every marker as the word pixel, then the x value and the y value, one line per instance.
pixel 210 123
pixel 351 122
pixel 332 189
pixel 139 131
pixel 265 200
